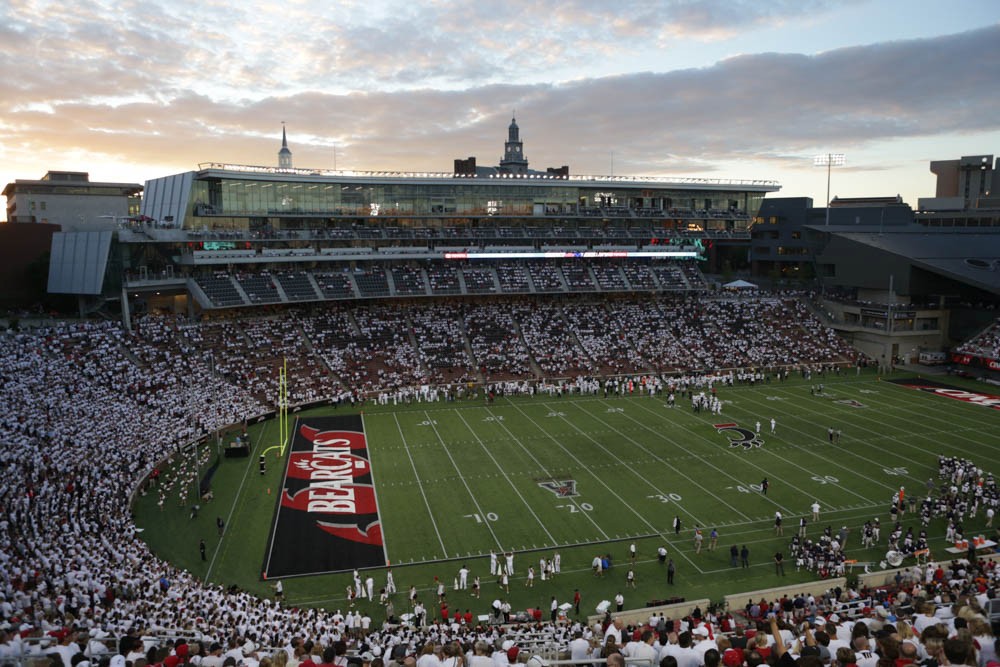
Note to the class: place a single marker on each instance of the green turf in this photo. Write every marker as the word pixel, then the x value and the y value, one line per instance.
pixel 455 480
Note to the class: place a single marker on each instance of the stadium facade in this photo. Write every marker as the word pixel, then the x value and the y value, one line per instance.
pixel 340 234
pixel 895 281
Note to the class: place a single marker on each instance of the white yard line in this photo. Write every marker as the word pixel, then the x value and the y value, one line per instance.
pixel 624 504
pixel 767 472
pixel 420 485
pixel 236 499
pixel 468 490
pixel 507 477
pixel 371 472
pixel 817 452
pixel 922 416
pixel 767 562
pixel 665 462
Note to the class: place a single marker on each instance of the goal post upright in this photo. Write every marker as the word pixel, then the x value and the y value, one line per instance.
pixel 283 406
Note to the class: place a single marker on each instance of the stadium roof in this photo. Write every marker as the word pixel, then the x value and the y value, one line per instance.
pixel 220 170
pixel 967 254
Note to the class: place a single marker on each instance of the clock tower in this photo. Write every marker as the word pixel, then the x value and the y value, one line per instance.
pixel 514 160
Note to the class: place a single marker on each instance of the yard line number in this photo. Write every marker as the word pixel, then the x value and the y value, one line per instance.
pixel 573 509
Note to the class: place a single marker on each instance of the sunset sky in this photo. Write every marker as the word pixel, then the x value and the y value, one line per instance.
pixel 134 89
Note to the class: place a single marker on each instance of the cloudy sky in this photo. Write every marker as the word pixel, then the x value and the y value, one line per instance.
pixel 134 89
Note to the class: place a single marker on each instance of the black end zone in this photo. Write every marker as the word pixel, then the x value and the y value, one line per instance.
pixel 326 516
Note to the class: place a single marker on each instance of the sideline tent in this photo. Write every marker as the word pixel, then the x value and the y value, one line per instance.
pixel 740 284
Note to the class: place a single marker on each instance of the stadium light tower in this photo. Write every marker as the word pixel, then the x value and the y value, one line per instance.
pixel 829 161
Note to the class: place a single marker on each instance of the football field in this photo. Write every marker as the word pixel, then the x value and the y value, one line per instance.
pixel 544 473
pixel 586 476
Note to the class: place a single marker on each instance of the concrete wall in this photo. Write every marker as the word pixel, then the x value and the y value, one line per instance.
pixel 20 245
pixel 640 616
pixel 885 577
pixel 818 587
pixel 863 266
pixel 875 344
pixel 74 213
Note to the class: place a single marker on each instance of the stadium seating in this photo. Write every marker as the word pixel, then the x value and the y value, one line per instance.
pixel 479 280
pixel 513 278
pixel 220 289
pixel 297 285
pixel 984 344
pixel 259 287
pixel 408 280
pixel 443 280
pixel 335 285
pixel 372 281
pixel 171 381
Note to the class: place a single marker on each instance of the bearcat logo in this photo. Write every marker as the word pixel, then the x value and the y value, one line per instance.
pixel 739 436
pixel 853 403
pixel 370 534
pixel 565 488
pixel 327 517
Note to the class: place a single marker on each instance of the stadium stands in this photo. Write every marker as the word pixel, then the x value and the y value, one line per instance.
pixel 259 287
pixel 546 277
pixel 72 559
pixel 220 290
pixel 297 285
pixel 479 280
pixel 577 277
pixel 337 281
pixel 443 280
pixel 408 280
pixel 985 344
pixel 372 281
pixel 610 278
pixel 335 285
pixel 639 276
pixel 513 278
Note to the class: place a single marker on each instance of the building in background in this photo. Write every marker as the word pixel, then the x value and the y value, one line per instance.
pixel 72 201
pixel 893 281
pixel 963 184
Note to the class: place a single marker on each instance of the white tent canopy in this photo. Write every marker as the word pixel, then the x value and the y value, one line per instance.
pixel 740 284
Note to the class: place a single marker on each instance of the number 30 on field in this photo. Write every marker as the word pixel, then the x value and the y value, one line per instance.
pixel 666 497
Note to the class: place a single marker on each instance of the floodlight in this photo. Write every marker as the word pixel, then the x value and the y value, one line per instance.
pixel 829 161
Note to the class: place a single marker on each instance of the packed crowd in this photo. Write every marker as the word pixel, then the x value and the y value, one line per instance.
pixel 87 410
pixel 391 347
pixel 985 344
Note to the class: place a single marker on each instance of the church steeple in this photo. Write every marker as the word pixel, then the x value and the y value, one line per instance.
pixel 284 155
pixel 514 160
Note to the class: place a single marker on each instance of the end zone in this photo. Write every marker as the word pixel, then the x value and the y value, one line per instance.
pixel 326 516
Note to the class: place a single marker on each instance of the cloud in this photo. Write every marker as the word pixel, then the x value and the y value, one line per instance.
pixel 255 49
pixel 149 90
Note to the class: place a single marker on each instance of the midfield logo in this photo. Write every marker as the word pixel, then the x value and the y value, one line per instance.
pixel 563 489
pixel 851 402
pixel 739 436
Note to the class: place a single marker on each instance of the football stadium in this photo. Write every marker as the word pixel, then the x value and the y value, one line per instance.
pixel 329 416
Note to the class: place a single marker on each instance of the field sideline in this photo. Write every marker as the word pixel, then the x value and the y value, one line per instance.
pixel 456 480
